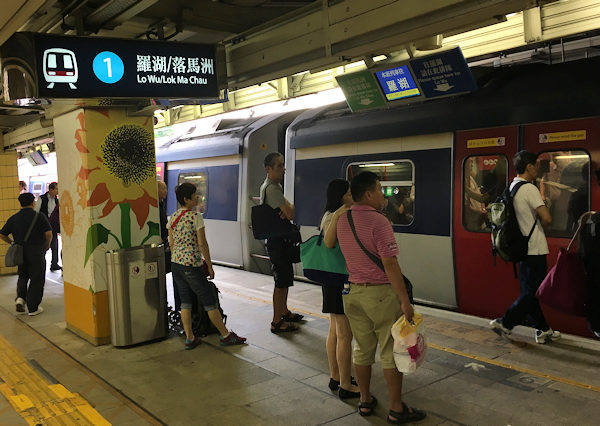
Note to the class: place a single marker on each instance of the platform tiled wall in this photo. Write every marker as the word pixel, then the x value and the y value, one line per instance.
pixel 9 204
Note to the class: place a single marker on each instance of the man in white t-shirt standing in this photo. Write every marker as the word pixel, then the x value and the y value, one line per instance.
pixel 529 209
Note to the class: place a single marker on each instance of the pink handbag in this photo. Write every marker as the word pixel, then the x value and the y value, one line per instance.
pixel 565 287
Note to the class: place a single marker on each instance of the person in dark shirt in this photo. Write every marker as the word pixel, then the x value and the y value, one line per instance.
pixel 48 205
pixel 33 269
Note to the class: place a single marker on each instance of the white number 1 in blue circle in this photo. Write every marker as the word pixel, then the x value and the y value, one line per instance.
pixel 108 67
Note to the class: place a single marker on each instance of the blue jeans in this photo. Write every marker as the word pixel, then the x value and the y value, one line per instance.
pixel 532 272
pixel 191 282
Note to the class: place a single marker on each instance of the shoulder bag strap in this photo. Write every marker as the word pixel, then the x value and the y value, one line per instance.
pixel 174 224
pixel 512 195
pixel 377 261
pixel 30 228
pixel 264 197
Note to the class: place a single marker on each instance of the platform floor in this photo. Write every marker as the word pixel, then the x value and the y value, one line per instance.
pixel 470 376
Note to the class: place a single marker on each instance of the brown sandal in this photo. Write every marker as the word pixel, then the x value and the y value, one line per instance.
pixel 276 327
pixel 292 317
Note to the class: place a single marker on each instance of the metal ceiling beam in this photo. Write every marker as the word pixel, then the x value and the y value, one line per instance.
pixel 352 29
pixel 117 12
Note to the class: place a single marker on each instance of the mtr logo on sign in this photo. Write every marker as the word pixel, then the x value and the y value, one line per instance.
pixel 60 66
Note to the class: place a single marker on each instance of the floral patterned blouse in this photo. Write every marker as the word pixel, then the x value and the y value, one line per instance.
pixel 185 250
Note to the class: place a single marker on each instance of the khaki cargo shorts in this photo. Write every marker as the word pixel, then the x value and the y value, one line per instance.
pixel 372 310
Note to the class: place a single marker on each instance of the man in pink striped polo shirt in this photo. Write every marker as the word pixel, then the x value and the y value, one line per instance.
pixel 377 296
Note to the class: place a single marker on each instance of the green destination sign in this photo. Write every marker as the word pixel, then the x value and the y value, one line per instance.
pixel 361 90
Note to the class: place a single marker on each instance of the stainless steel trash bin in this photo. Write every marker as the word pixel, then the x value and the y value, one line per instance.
pixel 137 294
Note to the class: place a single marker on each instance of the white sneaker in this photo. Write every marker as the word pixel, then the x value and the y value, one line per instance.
pixel 20 305
pixel 547 336
pixel 39 311
pixel 498 328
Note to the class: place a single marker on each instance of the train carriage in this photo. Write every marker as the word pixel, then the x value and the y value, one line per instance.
pixel 455 145
pixel 440 162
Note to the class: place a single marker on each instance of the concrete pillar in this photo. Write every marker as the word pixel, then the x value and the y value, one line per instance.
pixel 108 200
pixel 9 204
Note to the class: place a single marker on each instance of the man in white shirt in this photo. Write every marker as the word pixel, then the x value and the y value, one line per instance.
pixel 529 210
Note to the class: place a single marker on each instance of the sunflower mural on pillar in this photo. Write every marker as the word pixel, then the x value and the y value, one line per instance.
pixel 120 172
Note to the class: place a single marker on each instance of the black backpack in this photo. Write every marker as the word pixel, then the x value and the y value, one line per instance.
pixel 201 323
pixel 507 240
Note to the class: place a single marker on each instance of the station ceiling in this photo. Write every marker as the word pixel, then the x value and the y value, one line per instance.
pixel 259 40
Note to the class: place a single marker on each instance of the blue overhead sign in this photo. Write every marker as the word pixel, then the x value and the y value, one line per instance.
pixel 443 74
pixel 95 67
pixel 397 83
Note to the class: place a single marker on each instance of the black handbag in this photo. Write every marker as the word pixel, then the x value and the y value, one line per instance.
pixel 14 254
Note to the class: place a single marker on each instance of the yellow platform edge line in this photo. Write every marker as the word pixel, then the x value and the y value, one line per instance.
pixel 449 350
pixel 60 391
pixel 33 398
pixel 21 402
pixel 517 368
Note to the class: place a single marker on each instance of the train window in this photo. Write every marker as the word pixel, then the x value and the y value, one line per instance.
pixel 200 180
pixel 564 184
pixel 397 184
pixel 484 179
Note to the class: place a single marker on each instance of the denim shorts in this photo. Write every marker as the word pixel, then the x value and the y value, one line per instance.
pixel 191 282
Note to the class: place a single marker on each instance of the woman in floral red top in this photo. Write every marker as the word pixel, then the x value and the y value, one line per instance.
pixel 187 240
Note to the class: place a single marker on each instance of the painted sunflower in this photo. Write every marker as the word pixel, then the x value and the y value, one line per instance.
pixel 125 160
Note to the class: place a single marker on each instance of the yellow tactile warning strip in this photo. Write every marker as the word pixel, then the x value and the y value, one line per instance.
pixel 37 401
pixel 516 368
pixel 450 350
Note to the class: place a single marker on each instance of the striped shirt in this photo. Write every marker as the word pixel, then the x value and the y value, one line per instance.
pixel 376 234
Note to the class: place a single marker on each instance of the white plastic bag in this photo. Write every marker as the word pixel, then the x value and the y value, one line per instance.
pixel 409 343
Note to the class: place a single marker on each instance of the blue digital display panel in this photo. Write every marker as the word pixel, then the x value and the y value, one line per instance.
pixel 397 83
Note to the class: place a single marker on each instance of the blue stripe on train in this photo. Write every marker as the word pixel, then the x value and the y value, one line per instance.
pixel 222 191
pixel 433 183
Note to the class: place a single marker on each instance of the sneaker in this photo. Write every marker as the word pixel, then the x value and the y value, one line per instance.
pixel 36 312
pixel 20 305
pixel 498 328
pixel 232 339
pixel 547 336
pixel 191 344
pixel 597 334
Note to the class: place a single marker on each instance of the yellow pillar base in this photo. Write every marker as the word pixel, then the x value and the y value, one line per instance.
pixel 87 314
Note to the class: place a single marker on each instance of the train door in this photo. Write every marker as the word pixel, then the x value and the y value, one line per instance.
pixel 569 152
pixel 482 169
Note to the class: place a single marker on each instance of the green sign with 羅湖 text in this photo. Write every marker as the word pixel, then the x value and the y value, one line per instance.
pixel 361 90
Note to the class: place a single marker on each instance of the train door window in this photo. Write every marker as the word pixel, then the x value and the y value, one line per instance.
pixel 564 184
pixel 484 179
pixel 397 184
pixel 200 180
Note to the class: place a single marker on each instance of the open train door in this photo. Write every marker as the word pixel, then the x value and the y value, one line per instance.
pixel 482 169
pixel 569 154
